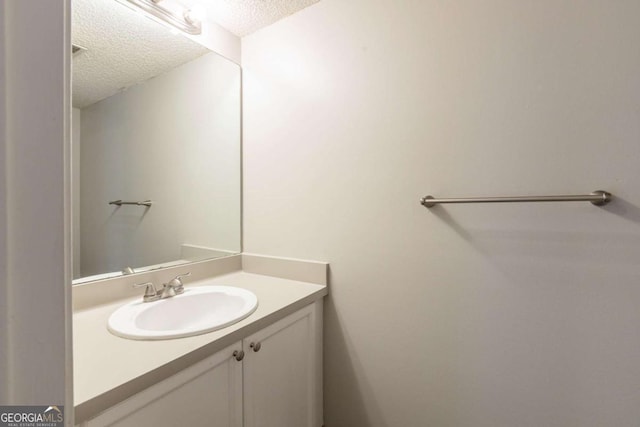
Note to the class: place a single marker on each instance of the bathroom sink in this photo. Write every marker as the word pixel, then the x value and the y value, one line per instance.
pixel 197 311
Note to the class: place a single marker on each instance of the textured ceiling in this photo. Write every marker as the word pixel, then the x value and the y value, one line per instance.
pixel 125 48
pixel 243 17
pixel 122 49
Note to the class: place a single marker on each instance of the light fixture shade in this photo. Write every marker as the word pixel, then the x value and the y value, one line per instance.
pixel 172 12
pixel 195 15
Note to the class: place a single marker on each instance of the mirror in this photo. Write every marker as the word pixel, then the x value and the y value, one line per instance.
pixel 156 119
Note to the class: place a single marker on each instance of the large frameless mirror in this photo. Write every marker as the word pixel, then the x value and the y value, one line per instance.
pixel 156 145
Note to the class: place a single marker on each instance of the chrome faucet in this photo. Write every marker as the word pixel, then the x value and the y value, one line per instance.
pixel 170 289
pixel 174 286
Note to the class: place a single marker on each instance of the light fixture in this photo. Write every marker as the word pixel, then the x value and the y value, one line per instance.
pixel 174 13
pixel 195 15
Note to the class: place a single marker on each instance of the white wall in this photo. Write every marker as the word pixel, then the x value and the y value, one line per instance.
pixel 174 140
pixel 468 315
pixel 219 40
pixel 4 288
pixel 76 117
pixel 34 245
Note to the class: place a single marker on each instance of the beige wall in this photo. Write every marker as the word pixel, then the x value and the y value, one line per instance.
pixel 469 315
pixel 35 245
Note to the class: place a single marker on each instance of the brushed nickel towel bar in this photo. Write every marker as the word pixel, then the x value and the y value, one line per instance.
pixel 146 203
pixel 598 198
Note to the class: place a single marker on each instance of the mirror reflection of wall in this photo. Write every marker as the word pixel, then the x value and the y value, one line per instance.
pixel 156 117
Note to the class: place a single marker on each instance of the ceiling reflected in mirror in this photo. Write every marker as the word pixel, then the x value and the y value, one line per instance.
pixel 119 48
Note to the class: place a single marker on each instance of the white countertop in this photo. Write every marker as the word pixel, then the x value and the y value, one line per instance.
pixel 108 369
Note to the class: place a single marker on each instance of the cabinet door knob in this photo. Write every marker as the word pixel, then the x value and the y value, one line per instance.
pixel 239 355
pixel 255 346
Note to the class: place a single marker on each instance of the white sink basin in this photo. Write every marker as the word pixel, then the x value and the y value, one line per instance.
pixel 197 311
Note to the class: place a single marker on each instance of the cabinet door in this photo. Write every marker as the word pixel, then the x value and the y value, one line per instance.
pixel 282 379
pixel 208 393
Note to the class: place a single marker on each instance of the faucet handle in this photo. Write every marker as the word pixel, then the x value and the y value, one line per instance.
pixel 176 283
pixel 150 293
pixel 180 276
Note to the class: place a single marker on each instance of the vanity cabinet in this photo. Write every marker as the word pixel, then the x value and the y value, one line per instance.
pixel 272 378
pixel 282 372
pixel 208 393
